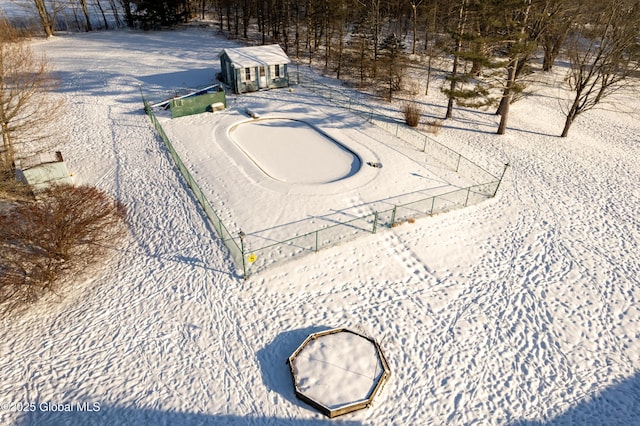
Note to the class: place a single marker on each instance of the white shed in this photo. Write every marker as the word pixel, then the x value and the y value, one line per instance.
pixel 247 69
pixel 42 170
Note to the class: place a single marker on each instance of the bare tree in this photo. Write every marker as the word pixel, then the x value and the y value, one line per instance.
pixel 26 109
pixel 603 53
pixel 104 17
pixel 559 16
pixel 116 13
pixel 414 23
pixel 47 18
pixel 430 27
pixel 87 18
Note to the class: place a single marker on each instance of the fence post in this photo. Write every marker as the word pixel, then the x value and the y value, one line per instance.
pixel 458 165
pixel 506 166
pixel 375 222
pixel 424 147
pixel 393 215
pixel 466 201
pixel 433 204
pixel 244 266
pixel 316 241
pixel 219 227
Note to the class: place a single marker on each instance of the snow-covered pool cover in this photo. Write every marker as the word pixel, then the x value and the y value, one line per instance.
pixel 338 368
pixel 292 151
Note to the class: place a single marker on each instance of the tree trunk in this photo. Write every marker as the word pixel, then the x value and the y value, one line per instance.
pixel 297 30
pixel 571 116
pixel 456 58
pixel 128 15
pixel 85 12
pixel 513 69
pixel 426 89
pixel 376 36
pixel 452 86
pixel 567 125
pixel 104 17
pixel 327 43
pixel 45 18
pixel 246 16
pixel 236 20
pixel 505 102
pixel 414 10
pixel 309 31
pixel 116 15
pixel 551 50
pixel 7 151
pixel 340 49
pixel 548 59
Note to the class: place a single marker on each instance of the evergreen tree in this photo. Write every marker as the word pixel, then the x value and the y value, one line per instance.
pixel 393 62
pixel 153 14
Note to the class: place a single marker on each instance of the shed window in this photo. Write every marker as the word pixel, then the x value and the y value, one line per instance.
pixel 247 74
pixel 276 70
pixel 261 71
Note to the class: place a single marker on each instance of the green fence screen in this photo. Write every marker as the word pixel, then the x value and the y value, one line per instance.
pixel 196 104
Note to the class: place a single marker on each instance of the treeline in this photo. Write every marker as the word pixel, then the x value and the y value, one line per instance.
pixel 488 46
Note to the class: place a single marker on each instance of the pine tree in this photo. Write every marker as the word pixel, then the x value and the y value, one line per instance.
pixel 393 61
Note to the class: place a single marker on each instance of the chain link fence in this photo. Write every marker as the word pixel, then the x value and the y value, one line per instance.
pixel 422 142
pixel 232 243
pixel 252 258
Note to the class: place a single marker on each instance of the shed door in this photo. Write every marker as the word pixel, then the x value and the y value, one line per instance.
pixel 263 77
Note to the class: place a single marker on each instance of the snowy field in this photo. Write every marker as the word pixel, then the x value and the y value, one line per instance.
pixel 521 310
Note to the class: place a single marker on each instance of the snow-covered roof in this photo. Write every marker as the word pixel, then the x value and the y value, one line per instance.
pixel 243 57
pixel 43 169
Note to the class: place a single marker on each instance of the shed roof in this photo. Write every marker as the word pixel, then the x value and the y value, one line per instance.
pixel 242 57
pixel 43 169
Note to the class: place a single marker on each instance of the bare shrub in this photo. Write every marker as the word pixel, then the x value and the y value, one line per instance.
pixel 434 126
pixel 67 229
pixel 411 114
pixel 10 188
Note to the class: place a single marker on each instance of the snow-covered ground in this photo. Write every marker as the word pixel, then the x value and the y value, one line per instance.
pixel 518 310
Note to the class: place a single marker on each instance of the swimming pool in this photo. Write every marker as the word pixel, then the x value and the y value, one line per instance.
pixel 293 151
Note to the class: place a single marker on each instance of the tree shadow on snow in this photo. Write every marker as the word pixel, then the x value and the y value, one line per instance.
pixel 617 404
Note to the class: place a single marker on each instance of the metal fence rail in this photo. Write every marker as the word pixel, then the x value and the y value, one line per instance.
pixel 252 259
